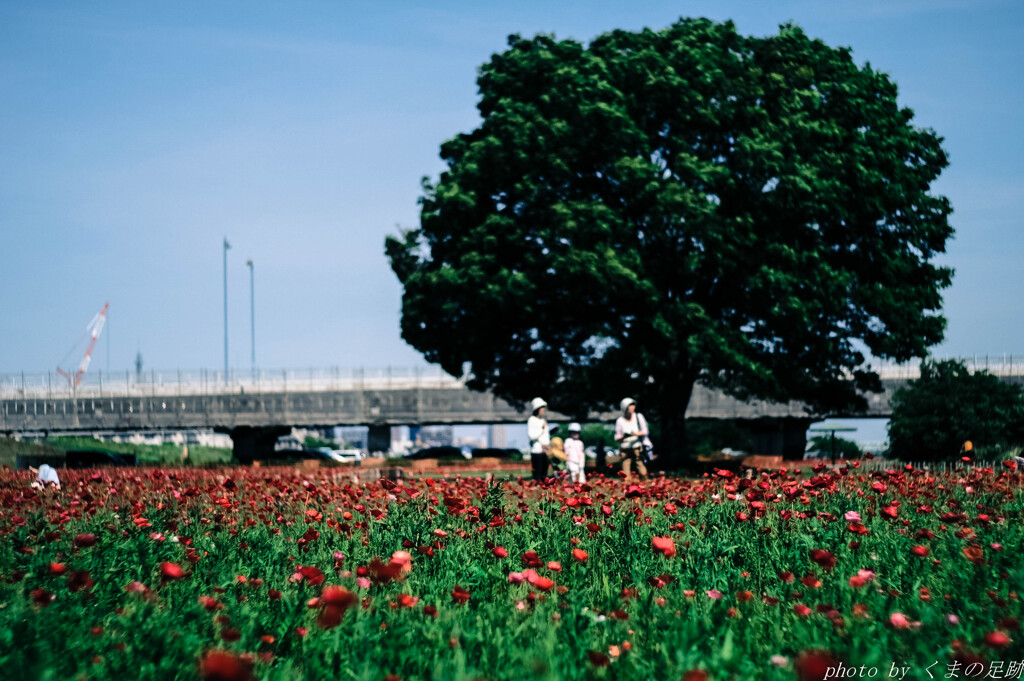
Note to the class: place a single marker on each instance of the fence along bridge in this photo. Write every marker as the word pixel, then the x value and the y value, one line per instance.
pixel 255 408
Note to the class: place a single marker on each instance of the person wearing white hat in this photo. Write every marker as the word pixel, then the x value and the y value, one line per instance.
pixel 45 475
pixel 633 437
pixel 540 438
pixel 575 457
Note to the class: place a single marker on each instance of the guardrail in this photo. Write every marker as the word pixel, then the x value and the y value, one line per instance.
pixel 204 382
pixel 207 382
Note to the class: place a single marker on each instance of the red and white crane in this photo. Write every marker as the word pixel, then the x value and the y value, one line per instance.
pixel 94 329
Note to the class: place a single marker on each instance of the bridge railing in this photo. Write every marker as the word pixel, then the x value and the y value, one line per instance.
pixel 210 382
pixel 998 365
pixel 207 382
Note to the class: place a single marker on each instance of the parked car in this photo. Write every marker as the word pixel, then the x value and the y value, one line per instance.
pixel 441 453
pixel 345 455
pixel 497 453
pixel 304 455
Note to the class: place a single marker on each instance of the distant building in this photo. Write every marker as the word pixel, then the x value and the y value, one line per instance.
pixel 437 436
pixel 356 437
pixel 497 436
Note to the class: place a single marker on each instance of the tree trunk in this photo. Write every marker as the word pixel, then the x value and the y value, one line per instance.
pixel 674 397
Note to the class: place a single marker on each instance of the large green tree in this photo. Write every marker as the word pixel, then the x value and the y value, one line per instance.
pixel 934 415
pixel 659 208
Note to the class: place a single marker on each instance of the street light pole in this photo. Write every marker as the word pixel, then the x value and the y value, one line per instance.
pixel 252 313
pixel 226 247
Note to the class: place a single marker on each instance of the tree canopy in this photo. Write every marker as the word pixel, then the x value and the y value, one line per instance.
pixel 844 449
pixel 658 208
pixel 934 415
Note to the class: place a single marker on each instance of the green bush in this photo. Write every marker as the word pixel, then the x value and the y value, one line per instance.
pixel 933 416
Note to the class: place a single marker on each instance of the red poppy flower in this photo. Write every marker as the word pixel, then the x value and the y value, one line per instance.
pixel 661 581
pixel 310 573
pixel 171 571
pixel 383 573
pixel 542 583
pixel 810 581
pixel 664 546
pixel 42 597
pixel 801 610
pixel 58 568
pixel 407 601
pixel 499 552
pixel 921 551
pixel 459 595
pixel 974 554
pixel 330 616
pixel 598 659
pixel 823 558
pixel 997 639
pixel 79 580
pixel 230 635
pixel 430 611
pixel 580 555
pixel 696 675
pixel 220 665
pixel 338 596
pixel 531 560
pixel 84 540
pixel 814 665
pixel 211 604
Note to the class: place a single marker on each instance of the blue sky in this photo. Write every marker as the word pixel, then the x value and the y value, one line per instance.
pixel 134 137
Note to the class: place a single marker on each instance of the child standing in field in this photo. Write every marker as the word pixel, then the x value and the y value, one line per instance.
pixel 575 458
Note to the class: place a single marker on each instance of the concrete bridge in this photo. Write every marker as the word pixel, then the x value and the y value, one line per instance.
pixel 256 408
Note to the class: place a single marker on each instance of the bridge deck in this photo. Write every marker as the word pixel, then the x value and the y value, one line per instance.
pixel 202 399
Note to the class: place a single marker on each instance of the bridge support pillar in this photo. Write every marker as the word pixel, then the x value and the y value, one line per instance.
pixel 785 437
pixel 378 439
pixel 251 443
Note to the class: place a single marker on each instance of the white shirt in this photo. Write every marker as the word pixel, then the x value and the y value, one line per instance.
pixel 47 474
pixel 625 428
pixel 537 431
pixel 574 453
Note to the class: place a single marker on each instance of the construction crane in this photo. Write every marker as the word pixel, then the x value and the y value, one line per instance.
pixel 93 330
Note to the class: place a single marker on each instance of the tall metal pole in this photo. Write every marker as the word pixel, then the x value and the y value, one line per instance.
pixel 252 313
pixel 226 247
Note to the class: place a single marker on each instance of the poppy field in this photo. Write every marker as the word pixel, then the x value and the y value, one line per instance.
pixel 293 573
